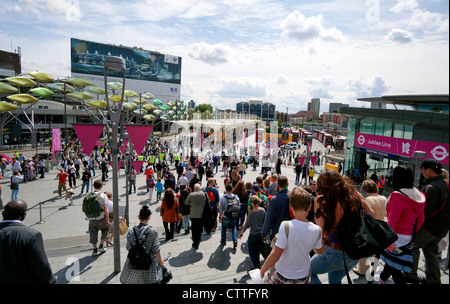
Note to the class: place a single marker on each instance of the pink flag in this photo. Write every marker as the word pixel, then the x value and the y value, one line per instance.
pixel 88 135
pixel 137 164
pixel 301 160
pixel 124 146
pixel 138 135
pixel 119 163
pixel 313 160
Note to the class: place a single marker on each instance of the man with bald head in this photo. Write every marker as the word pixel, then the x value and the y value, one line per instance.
pixel 196 200
pixel 22 256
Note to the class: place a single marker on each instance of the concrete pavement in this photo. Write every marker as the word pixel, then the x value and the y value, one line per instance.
pixel 66 237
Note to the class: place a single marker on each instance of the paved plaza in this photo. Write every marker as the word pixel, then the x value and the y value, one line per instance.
pixel 65 232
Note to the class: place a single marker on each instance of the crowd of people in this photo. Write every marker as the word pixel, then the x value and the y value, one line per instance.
pixel 296 231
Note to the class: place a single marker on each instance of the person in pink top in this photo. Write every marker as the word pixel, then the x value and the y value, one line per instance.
pixel 405 215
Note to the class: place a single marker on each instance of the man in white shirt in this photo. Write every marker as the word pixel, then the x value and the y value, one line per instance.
pixel 15 165
pixel 189 174
pixel 182 182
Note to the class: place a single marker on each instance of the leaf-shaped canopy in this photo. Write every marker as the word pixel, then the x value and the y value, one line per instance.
pixel 147 96
pixel 80 95
pixel 130 93
pixel 21 81
pixel 96 90
pixel 115 85
pixel 41 76
pixel 99 104
pixel 116 98
pixel 157 102
pixel 7 106
pixel 79 82
pixel 7 89
pixel 139 100
pixel 149 107
pixel 149 117
pixel 129 105
pixel 59 86
pixel 42 92
pixel 22 98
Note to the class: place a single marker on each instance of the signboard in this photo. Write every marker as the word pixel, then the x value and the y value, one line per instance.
pixel 403 147
pixel 146 71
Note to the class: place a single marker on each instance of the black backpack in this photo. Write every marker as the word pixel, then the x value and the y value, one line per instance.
pixel 233 209
pixel 139 255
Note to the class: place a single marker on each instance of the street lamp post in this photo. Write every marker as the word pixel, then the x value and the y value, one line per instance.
pixel 417 155
pixel 117 64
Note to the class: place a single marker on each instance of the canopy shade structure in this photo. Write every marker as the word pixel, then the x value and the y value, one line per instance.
pixel 99 104
pixel 41 76
pixel 79 82
pixel 7 106
pixel 21 81
pixel 96 90
pixel 7 89
pixel 80 95
pixel 22 98
pixel 42 92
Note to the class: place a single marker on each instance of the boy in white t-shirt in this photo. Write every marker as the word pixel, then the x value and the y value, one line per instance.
pixel 291 253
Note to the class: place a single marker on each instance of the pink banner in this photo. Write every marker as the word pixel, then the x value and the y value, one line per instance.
pixel 139 136
pixel 313 160
pixel 137 165
pixel 403 147
pixel 56 142
pixel 124 146
pixel 88 135
pixel 119 163
pixel 301 160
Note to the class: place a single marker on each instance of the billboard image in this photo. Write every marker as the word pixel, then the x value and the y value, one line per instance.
pixel 146 71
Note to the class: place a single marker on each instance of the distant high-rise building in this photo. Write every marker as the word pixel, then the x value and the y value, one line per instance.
pixel 314 106
pixel 191 104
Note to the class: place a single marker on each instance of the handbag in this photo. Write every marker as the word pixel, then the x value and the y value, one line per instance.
pixel 123 227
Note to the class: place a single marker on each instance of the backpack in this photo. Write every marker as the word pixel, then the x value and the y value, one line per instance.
pixel 139 255
pixel 150 183
pixel 211 196
pixel 233 209
pixel 92 205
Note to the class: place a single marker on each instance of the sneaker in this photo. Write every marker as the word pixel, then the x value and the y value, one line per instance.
pixel 234 245
pixel 95 252
pixel 378 280
pixel 101 249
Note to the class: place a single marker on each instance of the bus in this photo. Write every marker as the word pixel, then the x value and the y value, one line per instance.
pixel 321 136
pixel 305 137
pixel 328 140
pixel 339 143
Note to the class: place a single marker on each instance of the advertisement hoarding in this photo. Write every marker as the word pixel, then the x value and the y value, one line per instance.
pixel 146 71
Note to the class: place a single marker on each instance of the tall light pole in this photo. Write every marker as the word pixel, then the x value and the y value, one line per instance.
pixel 116 64
pixel 418 155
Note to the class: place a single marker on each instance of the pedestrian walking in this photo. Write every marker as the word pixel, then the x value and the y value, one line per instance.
pixel 255 221
pixel 153 275
pixel 196 201
pixel 150 182
pixel 62 179
pixel 86 179
pixel 169 213
pixel 98 222
pixel 15 185
pixel 132 180
pixel 229 214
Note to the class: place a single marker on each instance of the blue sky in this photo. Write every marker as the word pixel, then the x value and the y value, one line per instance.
pixel 283 52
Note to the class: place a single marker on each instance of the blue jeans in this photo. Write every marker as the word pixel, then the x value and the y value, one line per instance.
pixel 15 194
pixel 85 184
pixel 226 222
pixel 253 243
pixel 132 184
pixel 331 261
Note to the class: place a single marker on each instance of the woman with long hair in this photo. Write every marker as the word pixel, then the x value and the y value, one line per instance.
pixel 169 212
pixel 241 192
pixel 337 197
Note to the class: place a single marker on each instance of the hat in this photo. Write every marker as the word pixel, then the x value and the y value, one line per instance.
pixel 256 187
pixel 433 164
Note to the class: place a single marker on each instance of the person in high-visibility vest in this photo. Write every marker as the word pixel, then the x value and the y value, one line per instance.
pixel 176 158
pixel 381 184
pixel 151 160
pixel 161 156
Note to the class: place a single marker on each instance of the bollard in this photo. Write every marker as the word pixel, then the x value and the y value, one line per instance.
pixel 40 214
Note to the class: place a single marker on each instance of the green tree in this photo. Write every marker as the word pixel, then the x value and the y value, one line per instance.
pixel 206 110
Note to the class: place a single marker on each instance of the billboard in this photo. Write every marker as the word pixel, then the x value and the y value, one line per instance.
pixel 146 71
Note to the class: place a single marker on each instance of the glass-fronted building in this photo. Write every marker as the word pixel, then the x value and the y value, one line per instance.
pixel 378 138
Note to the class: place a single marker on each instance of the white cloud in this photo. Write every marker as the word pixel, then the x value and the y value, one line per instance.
pixel 301 28
pixel 282 79
pixel 428 22
pixel 404 5
pixel 399 35
pixel 237 88
pixel 366 88
pixel 210 54
pixel 320 93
